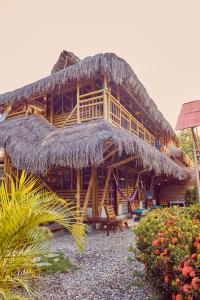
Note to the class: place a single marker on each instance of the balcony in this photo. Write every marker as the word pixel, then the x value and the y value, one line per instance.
pixel 102 104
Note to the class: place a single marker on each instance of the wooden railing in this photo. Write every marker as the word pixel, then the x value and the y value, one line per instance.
pixel 121 117
pixel 91 105
pixel 102 104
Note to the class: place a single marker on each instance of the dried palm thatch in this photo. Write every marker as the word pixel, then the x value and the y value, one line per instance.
pixel 65 59
pixel 109 64
pixel 178 153
pixel 34 145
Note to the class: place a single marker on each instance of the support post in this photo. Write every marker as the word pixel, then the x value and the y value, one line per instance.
pixel 94 194
pixel 105 190
pixel 78 103
pixel 105 99
pixel 78 199
pixel 194 143
pixel 87 197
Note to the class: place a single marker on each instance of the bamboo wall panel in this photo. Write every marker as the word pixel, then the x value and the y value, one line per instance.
pixel 173 192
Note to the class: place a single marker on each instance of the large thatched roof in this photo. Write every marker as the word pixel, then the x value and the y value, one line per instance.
pixel 34 145
pixel 116 69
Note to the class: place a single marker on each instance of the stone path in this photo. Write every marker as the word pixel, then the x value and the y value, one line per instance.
pixel 102 272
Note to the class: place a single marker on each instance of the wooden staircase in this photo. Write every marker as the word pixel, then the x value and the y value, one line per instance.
pixel 65 119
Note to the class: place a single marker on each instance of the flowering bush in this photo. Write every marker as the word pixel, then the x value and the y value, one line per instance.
pixel 168 241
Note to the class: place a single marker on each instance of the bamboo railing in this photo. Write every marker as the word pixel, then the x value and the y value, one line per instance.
pixel 93 106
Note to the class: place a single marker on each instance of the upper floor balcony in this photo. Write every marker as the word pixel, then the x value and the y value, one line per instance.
pixel 99 104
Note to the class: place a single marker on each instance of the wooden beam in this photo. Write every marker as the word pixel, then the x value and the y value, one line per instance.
pixel 87 197
pixel 122 162
pixel 107 146
pixel 105 190
pixel 143 171
pixel 78 192
pixel 110 154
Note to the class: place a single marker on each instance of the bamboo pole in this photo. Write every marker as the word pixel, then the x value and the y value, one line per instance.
pixel 105 99
pixel 105 190
pixel 78 199
pixel 122 162
pixel 110 154
pixel 78 103
pixel 87 197
pixel 194 143
pixel 94 194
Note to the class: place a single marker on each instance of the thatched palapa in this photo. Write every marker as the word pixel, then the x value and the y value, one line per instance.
pixel 34 145
pixel 116 69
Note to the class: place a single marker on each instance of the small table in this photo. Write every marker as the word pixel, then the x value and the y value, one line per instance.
pixel 104 221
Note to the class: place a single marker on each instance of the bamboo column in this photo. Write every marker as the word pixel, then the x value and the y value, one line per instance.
pixel 89 190
pixel 194 143
pixel 94 194
pixel 78 200
pixel 78 103
pixel 105 100
pixel 109 172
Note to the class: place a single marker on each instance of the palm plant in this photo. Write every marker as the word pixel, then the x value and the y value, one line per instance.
pixel 22 211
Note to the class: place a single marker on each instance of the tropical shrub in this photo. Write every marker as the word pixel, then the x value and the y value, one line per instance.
pixel 168 243
pixel 22 211
pixel 192 195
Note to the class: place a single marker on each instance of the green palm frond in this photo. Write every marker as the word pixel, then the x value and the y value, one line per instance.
pixel 22 212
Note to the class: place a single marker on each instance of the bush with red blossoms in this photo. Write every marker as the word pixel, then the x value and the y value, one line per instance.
pixel 168 243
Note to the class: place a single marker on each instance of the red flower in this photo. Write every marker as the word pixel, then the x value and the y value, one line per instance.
pixel 179 297
pixel 192 274
pixel 179 268
pixel 155 243
pixel 165 251
pixel 174 240
pixel 195 283
pixel 186 288
pixel 157 251
pixel 186 271
pixel 194 255
pixel 178 281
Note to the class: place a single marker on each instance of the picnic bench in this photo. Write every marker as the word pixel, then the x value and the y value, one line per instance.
pixel 103 221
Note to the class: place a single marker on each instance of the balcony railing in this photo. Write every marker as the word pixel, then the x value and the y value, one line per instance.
pixel 102 104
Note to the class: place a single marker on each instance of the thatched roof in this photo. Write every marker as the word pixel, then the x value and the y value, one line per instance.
pixel 116 69
pixel 179 154
pixel 65 60
pixel 34 145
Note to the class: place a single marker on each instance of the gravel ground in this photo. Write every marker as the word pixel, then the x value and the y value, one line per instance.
pixel 102 272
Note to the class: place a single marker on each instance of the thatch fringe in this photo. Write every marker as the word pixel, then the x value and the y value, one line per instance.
pixel 178 153
pixel 117 70
pixel 34 145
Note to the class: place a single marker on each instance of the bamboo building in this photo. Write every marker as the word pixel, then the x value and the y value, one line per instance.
pixel 89 128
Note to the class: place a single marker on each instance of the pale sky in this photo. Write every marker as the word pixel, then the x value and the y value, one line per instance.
pixel 160 39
